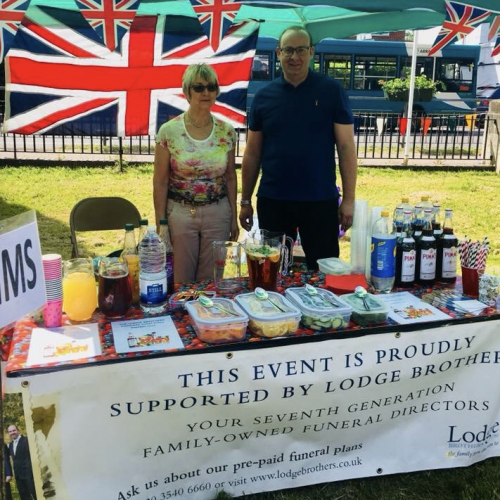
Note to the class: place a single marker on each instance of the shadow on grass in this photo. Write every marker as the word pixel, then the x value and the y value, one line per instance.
pixel 55 235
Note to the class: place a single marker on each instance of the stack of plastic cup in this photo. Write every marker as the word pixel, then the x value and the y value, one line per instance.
pixel 52 270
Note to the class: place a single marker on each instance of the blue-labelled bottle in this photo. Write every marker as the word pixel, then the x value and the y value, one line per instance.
pixel 153 276
pixel 383 255
pixel 169 250
pixel 405 254
pixel 143 229
pixel 426 252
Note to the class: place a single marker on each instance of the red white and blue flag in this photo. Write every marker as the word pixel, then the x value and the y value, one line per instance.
pixel 111 19
pixel 11 14
pixel 494 33
pixel 216 16
pixel 62 80
pixel 461 20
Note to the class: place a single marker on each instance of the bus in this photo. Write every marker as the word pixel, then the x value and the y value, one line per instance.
pixel 359 65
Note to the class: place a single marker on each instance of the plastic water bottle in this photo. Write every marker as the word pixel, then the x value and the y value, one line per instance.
pixel 383 255
pixel 143 229
pixel 153 276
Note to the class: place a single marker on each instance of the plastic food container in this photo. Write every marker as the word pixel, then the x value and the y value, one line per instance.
pixel 324 311
pixel 216 326
pixel 179 300
pixel 377 314
pixel 334 265
pixel 266 320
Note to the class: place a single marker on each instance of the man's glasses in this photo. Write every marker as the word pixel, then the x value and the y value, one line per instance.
pixel 289 51
pixel 199 88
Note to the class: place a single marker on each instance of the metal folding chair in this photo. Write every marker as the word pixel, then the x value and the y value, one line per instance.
pixel 101 214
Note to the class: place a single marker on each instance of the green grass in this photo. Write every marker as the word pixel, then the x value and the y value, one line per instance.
pixel 474 197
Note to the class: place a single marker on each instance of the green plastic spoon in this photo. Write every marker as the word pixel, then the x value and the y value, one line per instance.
pixel 262 294
pixel 209 303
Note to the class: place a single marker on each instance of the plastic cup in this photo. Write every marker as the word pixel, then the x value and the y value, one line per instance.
pixel 470 281
pixel 227 265
pixel 489 289
pixel 52 313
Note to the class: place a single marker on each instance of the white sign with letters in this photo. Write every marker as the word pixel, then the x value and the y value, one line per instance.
pixel 22 284
pixel 185 427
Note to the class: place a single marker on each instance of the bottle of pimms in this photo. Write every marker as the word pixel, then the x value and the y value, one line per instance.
pixel 405 254
pixel 426 252
pixel 447 251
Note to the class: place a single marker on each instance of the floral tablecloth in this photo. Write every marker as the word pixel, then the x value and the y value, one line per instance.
pixel 15 341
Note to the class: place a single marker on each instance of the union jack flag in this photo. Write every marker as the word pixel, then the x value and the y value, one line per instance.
pixel 460 21
pixel 494 28
pixel 496 48
pixel 110 18
pixel 11 15
pixel 216 16
pixel 62 80
pixel 493 32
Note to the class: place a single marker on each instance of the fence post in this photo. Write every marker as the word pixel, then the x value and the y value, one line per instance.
pixel 120 153
pixel 494 133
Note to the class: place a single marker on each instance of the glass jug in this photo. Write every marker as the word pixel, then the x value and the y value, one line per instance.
pixel 269 257
pixel 79 290
pixel 115 288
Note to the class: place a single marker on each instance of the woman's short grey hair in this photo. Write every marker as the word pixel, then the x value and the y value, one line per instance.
pixel 196 72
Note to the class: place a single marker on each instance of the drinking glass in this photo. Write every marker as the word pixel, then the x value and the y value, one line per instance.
pixel 79 290
pixel 115 289
pixel 227 265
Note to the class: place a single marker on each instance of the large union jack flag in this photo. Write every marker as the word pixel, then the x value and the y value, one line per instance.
pixel 110 18
pixel 460 21
pixel 11 15
pixel 494 32
pixel 215 17
pixel 62 80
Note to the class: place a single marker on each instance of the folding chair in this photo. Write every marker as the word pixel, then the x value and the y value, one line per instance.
pixel 101 214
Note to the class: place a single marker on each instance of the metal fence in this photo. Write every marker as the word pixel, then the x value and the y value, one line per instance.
pixel 377 136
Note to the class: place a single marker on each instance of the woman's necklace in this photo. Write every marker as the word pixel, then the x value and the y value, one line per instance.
pixel 198 125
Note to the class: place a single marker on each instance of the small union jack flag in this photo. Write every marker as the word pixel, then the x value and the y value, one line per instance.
pixel 111 19
pixel 460 21
pixel 494 28
pixel 216 16
pixel 493 32
pixel 11 15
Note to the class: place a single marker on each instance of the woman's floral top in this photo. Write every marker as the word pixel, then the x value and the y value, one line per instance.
pixel 197 167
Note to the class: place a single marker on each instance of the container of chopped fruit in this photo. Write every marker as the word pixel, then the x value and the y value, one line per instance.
pixel 271 314
pixel 217 320
pixel 321 309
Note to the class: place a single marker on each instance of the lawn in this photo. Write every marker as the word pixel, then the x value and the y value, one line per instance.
pixel 52 192
pixel 474 197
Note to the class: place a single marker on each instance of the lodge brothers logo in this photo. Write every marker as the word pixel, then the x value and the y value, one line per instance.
pixel 467 442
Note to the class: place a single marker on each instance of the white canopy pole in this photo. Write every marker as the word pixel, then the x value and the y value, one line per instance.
pixel 410 97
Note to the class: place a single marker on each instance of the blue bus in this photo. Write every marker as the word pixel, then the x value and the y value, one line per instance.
pixel 360 64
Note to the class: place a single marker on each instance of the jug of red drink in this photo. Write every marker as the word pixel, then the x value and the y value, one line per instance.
pixel 115 288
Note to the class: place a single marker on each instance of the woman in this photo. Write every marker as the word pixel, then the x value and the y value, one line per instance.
pixel 194 181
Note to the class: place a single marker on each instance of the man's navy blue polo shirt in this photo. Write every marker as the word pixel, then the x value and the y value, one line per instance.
pixel 298 156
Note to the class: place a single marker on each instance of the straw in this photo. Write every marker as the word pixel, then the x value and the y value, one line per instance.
pixel 473 254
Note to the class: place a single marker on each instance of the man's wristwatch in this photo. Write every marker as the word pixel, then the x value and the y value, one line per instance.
pixel 245 202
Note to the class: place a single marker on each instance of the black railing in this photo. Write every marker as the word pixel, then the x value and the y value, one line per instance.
pixel 378 136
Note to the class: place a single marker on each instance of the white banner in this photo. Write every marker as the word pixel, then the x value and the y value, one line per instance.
pixel 266 419
pixel 22 284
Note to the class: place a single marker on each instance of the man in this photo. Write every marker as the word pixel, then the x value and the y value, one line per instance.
pixel 294 124
pixel 8 473
pixel 21 459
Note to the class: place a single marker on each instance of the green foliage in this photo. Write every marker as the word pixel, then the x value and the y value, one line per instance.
pixel 397 85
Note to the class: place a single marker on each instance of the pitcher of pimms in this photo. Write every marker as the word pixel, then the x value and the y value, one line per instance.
pixel 269 256
pixel 115 287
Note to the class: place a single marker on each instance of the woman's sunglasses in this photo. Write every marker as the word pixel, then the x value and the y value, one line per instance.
pixel 199 88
